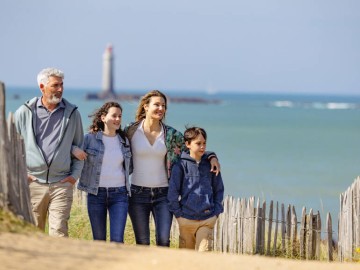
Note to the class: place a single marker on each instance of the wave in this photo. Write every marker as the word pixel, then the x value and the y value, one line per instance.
pixel 315 105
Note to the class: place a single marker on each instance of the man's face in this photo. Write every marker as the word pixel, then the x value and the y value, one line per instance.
pixel 53 90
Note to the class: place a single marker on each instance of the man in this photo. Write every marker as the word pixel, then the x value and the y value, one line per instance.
pixel 50 125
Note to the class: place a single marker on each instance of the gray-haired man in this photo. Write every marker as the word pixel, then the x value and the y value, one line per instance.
pixel 50 125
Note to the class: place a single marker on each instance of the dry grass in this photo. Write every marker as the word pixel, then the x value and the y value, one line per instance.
pixel 14 224
pixel 79 227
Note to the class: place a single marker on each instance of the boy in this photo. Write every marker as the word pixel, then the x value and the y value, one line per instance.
pixel 195 194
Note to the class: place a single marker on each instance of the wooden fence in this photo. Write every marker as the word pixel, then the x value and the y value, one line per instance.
pixel 247 228
pixel 349 222
pixel 14 188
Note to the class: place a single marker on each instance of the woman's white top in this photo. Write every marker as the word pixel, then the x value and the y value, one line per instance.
pixel 148 160
pixel 112 170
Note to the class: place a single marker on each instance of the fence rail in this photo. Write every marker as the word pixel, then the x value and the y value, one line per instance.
pixel 349 222
pixel 14 189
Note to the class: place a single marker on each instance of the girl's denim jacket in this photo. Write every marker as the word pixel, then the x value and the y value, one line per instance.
pixel 174 142
pixel 94 147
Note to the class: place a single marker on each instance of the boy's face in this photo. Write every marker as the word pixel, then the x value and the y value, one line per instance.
pixel 197 147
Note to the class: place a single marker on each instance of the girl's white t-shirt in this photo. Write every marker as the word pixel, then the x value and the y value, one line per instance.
pixel 112 170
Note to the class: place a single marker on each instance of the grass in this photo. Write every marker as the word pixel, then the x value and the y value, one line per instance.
pixel 14 224
pixel 79 227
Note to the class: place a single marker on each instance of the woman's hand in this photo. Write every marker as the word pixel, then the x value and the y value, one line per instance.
pixel 215 166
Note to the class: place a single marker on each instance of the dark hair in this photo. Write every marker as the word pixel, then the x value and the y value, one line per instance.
pixel 140 112
pixel 192 132
pixel 97 124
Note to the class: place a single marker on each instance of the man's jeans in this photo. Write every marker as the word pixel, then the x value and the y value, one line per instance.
pixel 144 201
pixel 114 200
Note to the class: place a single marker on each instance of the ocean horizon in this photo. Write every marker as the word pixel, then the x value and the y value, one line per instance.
pixel 298 149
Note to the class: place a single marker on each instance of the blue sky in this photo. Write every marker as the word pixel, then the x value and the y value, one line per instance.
pixel 299 46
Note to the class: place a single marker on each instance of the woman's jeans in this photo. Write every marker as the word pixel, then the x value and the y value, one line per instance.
pixel 114 200
pixel 144 201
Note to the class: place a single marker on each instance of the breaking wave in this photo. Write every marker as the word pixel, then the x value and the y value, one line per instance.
pixel 315 105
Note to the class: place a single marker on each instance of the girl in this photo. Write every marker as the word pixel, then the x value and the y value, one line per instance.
pixel 105 176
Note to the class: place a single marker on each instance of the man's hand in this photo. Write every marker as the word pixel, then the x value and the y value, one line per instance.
pixel 31 178
pixel 69 179
pixel 215 166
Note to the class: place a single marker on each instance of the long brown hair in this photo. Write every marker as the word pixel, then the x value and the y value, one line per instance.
pixel 140 111
pixel 97 124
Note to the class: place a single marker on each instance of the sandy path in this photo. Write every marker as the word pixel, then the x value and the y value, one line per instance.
pixel 39 252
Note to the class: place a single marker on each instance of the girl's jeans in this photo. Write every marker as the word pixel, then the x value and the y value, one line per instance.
pixel 143 201
pixel 114 200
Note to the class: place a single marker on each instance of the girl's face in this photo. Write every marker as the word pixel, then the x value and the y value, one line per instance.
pixel 197 147
pixel 156 108
pixel 112 120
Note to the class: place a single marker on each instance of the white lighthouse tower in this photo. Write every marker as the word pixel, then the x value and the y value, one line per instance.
pixel 108 74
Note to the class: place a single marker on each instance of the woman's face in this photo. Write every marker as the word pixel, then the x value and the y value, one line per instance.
pixel 156 108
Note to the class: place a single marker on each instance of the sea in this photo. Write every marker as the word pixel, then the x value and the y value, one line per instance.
pixel 296 149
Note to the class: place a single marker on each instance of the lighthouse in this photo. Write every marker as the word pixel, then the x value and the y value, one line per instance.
pixel 108 74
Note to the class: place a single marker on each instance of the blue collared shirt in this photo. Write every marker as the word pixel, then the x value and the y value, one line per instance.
pixel 47 128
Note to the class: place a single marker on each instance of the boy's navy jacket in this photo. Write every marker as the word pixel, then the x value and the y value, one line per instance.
pixel 195 192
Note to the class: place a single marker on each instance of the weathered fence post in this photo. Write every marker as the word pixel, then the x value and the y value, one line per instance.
pixel 283 247
pixel 303 234
pixel 250 222
pixel 241 227
pixel 276 228
pixel 232 225
pixel 293 232
pixel 329 237
pixel 268 246
pixel 349 222
pixel 16 180
pixel 14 188
pixel 288 231
pixel 4 166
pixel 258 214
pixel 317 236
pixel 263 222
pixel 309 242
pixel 341 229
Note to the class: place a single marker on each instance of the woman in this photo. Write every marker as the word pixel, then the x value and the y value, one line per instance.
pixel 105 175
pixel 155 148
